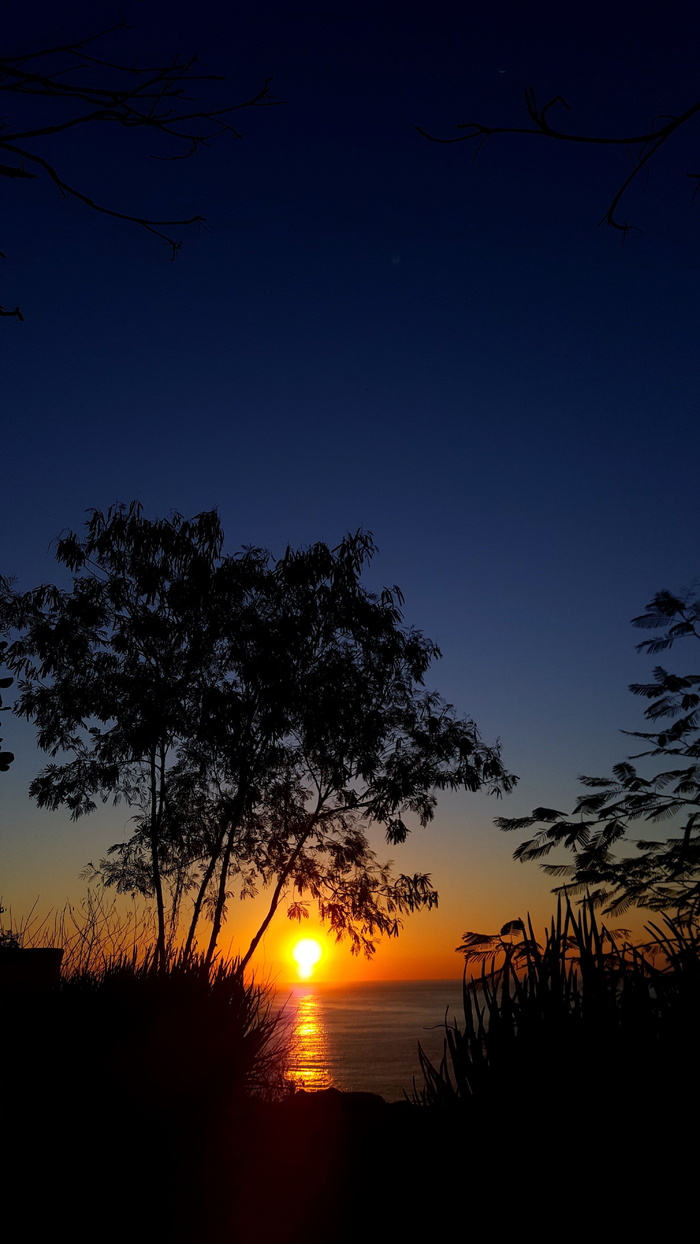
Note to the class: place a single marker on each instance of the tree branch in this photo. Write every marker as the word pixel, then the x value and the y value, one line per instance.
pixel 144 222
pixel 153 98
pixel 647 143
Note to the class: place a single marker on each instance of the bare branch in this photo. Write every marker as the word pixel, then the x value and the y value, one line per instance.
pixel 7 170
pixel 643 147
pixel 145 223
pixel 155 99
pixel 68 47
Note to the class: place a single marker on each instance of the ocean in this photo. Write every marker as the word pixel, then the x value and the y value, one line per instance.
pixel 364 1037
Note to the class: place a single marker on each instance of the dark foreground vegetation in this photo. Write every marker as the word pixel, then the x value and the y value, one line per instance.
pixel 582 1011
pixel 119 1080
pixel 152 1102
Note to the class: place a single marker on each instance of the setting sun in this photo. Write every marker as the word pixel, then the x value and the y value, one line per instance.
pixel 306 953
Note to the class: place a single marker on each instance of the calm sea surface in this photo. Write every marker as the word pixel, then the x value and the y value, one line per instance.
pixel 364 1037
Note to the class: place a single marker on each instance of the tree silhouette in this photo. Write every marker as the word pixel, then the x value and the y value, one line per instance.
pixel 640 147
pixel 6 758
pixel 259 715
pixel 663 873
pixel 71 88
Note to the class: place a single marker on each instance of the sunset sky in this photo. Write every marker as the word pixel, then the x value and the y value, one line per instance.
pixel 375 331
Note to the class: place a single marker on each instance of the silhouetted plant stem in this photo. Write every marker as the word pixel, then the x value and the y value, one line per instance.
pixel 583 1008
pixel 201 895
pixel 237 809
pixel 156 807
pixel 276 896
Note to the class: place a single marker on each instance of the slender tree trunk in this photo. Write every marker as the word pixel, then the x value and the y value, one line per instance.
pixel 201 895
pixel 276 896
pixel 220 897
pixel 175 904
pixel 234 822
pixel 159 963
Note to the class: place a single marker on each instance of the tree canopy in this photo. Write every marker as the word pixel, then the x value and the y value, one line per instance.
pixel 60 91
pixel 663 873
pixel 6 758
pixel 259 714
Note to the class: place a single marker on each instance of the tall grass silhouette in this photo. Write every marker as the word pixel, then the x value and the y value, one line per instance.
pixel 582 1017
pixel 125 1082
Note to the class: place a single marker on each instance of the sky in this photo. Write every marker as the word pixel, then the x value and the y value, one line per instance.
pixel 376 331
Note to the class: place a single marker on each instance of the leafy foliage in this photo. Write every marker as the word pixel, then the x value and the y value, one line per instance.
pixel 581 1009
pixel 664 872
pixel 259 715
pixel 6 758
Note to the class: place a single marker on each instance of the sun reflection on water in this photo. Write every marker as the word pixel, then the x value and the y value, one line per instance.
pixel 309 1061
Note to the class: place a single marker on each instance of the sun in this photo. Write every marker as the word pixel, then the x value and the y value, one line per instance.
pixel 307 953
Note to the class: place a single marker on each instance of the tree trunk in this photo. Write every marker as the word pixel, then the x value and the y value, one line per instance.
pixel 276 895
pixel 159 961
pixel 201 895
pixel 235 820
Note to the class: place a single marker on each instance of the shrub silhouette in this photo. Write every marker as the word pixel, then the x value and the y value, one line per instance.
pixel 579 1018
pixel 121 1082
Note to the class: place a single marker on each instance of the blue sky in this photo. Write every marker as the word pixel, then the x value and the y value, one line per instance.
pixel 376 331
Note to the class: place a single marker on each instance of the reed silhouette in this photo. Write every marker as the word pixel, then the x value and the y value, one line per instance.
pixel 117 1079
pixel 153 1102
pixel 581 1011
